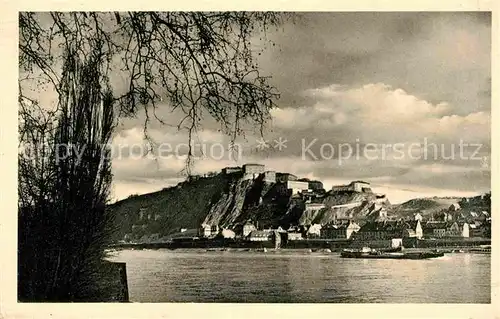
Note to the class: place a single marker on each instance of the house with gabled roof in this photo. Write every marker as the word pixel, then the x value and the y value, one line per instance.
pixel 314 230
pixel 342 230
pixel 435 229
pixel 463 229
pixel 446 229
pixel 418 216
pixel 260 235
pixel 389 229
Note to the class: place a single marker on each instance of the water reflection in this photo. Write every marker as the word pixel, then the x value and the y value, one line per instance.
pixel 467 259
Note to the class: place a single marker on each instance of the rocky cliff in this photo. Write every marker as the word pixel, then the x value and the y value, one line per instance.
pixel 346 205
pixel 229 200
pixel 224 200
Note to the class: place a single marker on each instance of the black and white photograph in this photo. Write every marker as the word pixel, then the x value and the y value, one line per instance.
pixel 254 157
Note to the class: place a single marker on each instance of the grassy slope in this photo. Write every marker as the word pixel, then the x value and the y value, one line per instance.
pixel 424 206
pixel 184 206
pixel 217 200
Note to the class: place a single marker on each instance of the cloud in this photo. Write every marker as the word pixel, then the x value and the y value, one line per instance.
pixel 439 56
pixel 373 115
pixel 375 112
pixel 418 80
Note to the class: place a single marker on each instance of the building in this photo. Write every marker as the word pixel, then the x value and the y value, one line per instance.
pixel 214 230
pixel 435 229
pixel 413 230
pixel 417 216
pixel 472 216
pixel 361 187
pixel 207 230
pixel 308 196
pixel 228 233
pixel 396 242
pixel 454 207
pixel 474 231
pixel 316 185
pixel 154 237
pixel 484 215
pixel 446 229
pixel 189 234
pixel 261 235
pixel 311 194
pixel 314 231
pixel 231 170
pixel 297 187
pixel 294 236
pixel 444 216
pixel 285 177
pixel 342 188
pixel 378 231
pixel 480 230
pixel 355 186
pixel 313 185
pixel 464 229
pixel 453 229
pixel 416 227
pixel 253 169
pixel 270 176
pixel 314 207
pixel 297 232
pixel 248 228
pixel 389 229
pixel 350 229
pixel 280 230
pixel 344 230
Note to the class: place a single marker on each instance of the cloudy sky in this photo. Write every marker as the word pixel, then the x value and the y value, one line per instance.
pixel 401 100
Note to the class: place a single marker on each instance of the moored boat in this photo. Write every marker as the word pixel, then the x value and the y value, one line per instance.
pixel 375 254
pixel 486 250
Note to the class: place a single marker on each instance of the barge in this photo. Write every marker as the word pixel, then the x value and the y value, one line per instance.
pixel 368 253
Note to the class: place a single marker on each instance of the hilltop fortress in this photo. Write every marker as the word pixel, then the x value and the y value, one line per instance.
pixel 254 171
pixel 356 186
pixel 237 195
pixel 297 185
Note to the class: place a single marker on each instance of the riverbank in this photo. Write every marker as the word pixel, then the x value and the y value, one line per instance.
pixel 299 251
pixel 313 244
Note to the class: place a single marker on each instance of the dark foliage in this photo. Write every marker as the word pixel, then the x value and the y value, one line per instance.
pixel 63 220
pixel 198 62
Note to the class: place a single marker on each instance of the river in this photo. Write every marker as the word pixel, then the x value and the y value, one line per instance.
pixel 301 277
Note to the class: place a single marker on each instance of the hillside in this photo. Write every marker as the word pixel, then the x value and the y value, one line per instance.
pixel 230 200
pixel 224 200
pixel 428 207
pixel 425 206
pixel 345 205
pixel 168 210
